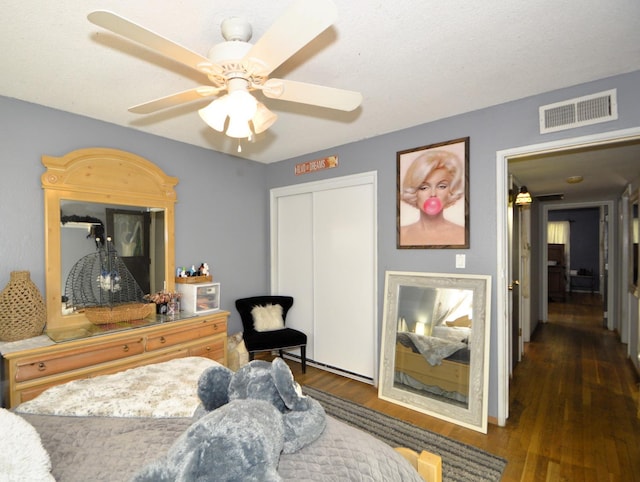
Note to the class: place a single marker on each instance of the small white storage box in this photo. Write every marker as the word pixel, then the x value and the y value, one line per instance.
pixel 199 297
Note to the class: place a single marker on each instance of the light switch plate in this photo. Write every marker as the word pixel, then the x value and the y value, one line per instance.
pixel 460 260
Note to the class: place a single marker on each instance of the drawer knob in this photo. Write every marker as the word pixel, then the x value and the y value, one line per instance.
pixel 42 367
pixel 162 339
pixel 208 348
pixel 125 348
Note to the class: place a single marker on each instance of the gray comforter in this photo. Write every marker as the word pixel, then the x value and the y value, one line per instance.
pixel 113 449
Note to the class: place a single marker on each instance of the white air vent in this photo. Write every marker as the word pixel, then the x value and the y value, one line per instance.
pixel 582 111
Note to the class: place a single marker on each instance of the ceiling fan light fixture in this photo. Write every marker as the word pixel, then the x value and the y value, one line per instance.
pixel 239 67
pixel 242 104
pixel 239 128
pixel 263 118
pixel 242 107
pixel 215 114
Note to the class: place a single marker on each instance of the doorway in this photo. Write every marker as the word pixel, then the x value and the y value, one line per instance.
pixel 130 232
pixel 504 275
pixel 585 264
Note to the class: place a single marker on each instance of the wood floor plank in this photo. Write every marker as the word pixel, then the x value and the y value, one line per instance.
pixel 573 402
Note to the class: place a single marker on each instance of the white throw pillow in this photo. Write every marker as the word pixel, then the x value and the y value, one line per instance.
pixel 267 318
pixel 22 456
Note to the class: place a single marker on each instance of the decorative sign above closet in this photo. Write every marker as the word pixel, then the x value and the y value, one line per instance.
pixel 317 165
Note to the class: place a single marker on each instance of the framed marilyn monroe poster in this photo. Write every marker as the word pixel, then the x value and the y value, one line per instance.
pixel 433 196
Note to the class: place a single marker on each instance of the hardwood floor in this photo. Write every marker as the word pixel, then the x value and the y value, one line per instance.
pixel 573 403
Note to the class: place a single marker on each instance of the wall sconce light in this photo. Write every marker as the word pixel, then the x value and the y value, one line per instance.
pixel 524 197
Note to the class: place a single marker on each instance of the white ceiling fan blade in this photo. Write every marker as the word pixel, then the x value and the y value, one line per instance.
pixel 152 40
pixel 300 23
pixel 312 94
pixel 174 99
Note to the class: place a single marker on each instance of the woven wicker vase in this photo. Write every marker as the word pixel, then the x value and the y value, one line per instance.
pixel 22 309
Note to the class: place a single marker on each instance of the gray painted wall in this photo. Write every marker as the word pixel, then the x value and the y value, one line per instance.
pixel 584 239
pixel 222 213
pixel 505 126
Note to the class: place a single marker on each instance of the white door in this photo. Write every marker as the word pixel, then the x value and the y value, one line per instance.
pixel 291 262
pixel 324 254
pixel 344 299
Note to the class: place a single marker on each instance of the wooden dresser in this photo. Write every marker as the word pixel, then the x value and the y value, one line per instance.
pixel 28 372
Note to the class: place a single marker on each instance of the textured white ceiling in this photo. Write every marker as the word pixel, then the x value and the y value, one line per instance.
pixel 415 61
pixel 606 170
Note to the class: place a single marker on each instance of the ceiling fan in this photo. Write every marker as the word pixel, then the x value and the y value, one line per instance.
pixel 236 67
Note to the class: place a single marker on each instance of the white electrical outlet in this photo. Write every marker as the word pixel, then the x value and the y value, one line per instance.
pixel 461 260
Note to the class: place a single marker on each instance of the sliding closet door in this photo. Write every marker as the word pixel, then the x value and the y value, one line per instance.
pixel 324 254
pixel 344 262
pixel 291 259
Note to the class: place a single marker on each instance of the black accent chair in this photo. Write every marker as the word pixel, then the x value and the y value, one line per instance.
pixel 257 341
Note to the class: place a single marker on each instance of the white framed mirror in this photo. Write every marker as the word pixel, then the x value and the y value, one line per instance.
pixel 435 345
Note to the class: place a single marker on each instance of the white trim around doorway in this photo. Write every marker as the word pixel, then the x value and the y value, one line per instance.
pixel 502 175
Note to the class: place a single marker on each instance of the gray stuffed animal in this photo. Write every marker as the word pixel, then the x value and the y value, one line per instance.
pixel 246 420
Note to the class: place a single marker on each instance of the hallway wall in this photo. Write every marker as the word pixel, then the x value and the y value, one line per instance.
pixel 584 239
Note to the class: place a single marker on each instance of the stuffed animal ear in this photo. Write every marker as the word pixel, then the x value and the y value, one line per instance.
pixel 254 380
pixel 213 387
pixel 288 388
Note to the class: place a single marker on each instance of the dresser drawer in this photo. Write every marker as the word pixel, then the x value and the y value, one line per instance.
pixel 185 334
pixel 212 348
pixel 62 361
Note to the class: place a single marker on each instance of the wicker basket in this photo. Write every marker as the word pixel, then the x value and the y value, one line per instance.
pixel 22 309
pixel 194 279
pixel 114 314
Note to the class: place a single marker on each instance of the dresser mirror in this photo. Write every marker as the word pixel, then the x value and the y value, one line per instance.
pixel 136 233
pixel 94 193
pixel 435 345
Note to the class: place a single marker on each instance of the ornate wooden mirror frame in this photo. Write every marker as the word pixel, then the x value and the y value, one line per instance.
pixel 106 176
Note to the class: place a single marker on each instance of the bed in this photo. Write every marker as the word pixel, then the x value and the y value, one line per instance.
pixel 437 363
pixel 108 427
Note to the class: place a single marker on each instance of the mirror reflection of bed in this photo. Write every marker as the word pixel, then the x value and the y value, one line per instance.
pixel 432 343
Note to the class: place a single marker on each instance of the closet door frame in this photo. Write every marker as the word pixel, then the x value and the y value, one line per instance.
pixel 367 178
